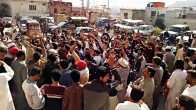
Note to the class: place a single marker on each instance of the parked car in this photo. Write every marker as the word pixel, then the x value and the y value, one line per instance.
pixel 84 30
pixel 23 24
pixel 146 30
pixel 102 23
pixel 7 19
pixel 132 23
pixel 180 29
pixel 46 23
pixel 78 21
pixel 65 25
pixel 123 28
pixel 169 37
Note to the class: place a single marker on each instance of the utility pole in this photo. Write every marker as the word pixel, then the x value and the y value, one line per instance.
pixel 88 4
pixel 108 4
pixel 82 7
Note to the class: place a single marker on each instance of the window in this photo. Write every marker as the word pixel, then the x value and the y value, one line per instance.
pixel 153 13
pixel 55 10
pixel 126 15
pixel 32 7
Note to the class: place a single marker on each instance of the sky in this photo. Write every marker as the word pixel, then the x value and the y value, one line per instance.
pixel 133 4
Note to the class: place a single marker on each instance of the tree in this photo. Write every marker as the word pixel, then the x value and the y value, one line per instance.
pixel 5 10
pixel 157 31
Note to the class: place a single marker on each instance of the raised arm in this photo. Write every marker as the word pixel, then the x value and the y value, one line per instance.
pixel 74 54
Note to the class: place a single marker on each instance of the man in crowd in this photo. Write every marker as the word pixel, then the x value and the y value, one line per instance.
pixel 180 52
pixel 185 103
pixel 157 79
pixel 21 71
pixel 169 59
pixel 135 101
pixel 148 86
pixel 53 92
pixel 33 94
pixel 66 79
pixel 34 61
pixel 51 65
pixel 123 71
pixel 176 84
pixel 6 74
pixel 73 94
pixel 96 95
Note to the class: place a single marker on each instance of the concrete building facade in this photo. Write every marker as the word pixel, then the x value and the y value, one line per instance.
pixel 153 11
pixel 135 14
pixel 172 18
pixel 126 13
pixel 26 7
pixel 60 7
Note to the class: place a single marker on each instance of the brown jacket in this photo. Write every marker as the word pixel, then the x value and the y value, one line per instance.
pixel 73 98
pixel 96 97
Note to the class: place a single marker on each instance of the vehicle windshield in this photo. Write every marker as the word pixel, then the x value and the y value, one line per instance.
pixel 145 28
pixel 127 23
pixel 175 29
pixel 23 22
pixel 102 22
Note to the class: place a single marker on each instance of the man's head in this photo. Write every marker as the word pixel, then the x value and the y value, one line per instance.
pixel 75 75
pixel 64 64
pixel 157 61
pixel 103 74
pixel 36 56
pixel 20 55
pixel 136 94
pixel 180 46
pixel 3 52
pixel 13 51
pixel 168 49
pixel 52 58
pixel 149 72
pixel 186 103
pixel 55 76
pixel 160 55
pixel 34 74
pixel 179 64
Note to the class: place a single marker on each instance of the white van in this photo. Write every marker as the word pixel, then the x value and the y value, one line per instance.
pixel 179 28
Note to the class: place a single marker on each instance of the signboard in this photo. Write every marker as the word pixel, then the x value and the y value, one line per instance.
pixel 158 4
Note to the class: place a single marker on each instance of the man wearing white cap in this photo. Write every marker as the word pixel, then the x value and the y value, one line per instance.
pixel 123 71
pixel 169 58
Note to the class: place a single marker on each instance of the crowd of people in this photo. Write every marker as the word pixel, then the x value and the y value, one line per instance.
pixel 122 71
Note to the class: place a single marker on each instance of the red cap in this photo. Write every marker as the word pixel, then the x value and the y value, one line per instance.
pixel 13 51
pixel 80 65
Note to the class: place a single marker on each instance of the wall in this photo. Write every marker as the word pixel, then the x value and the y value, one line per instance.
pixel 21 7
pixel 172 19
pixel 158 8
pixel 138 14
pixel 128 11
pixel 58 7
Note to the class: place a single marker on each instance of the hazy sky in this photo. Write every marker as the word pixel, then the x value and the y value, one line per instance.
pixel 122 3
